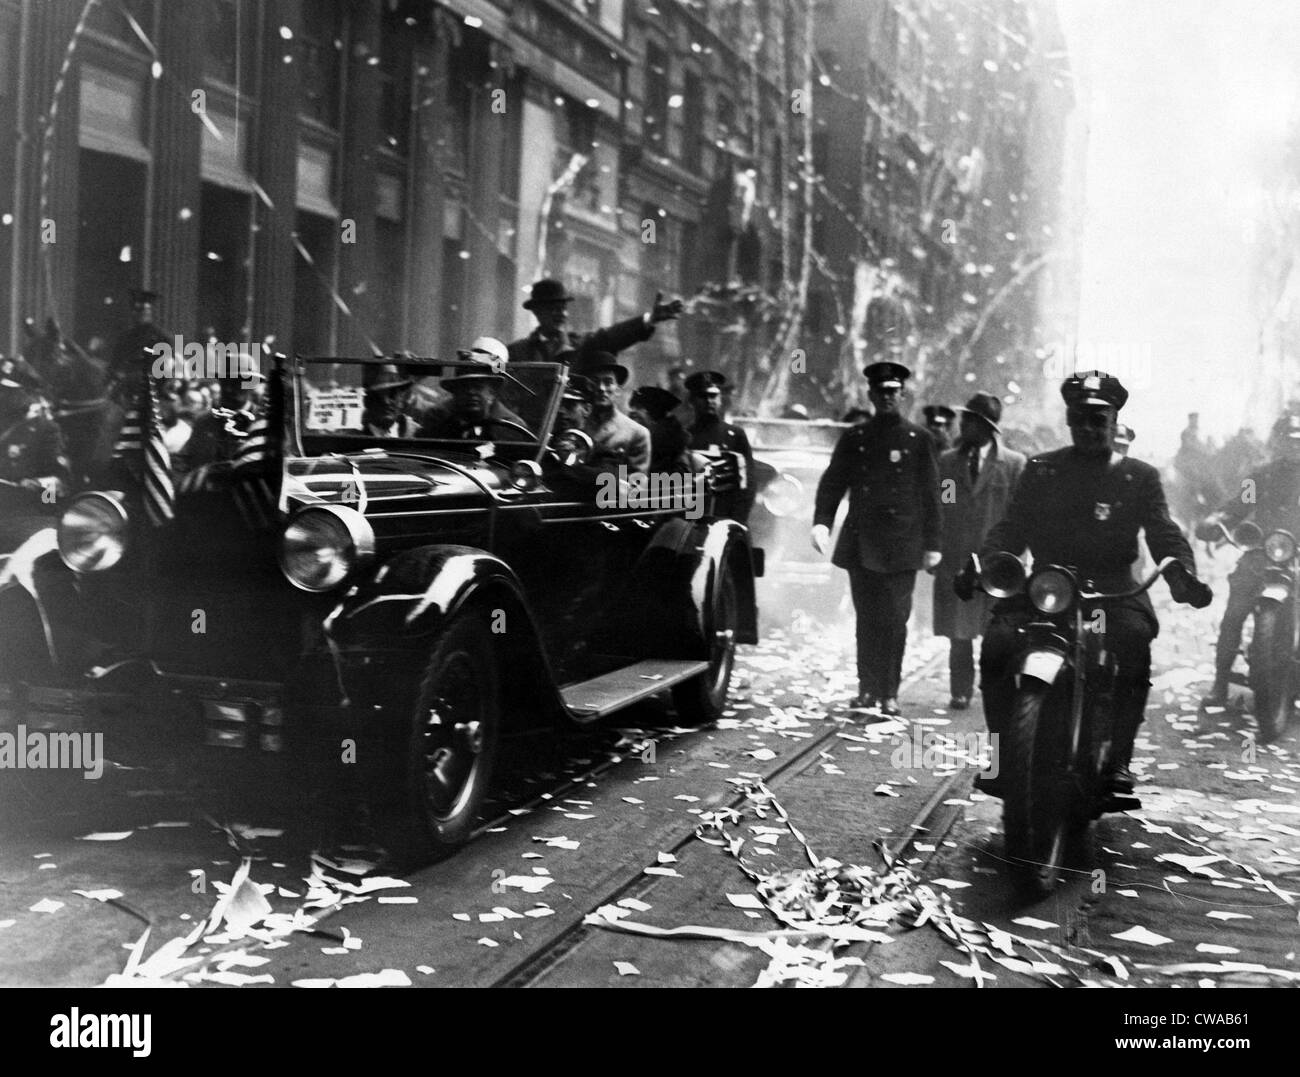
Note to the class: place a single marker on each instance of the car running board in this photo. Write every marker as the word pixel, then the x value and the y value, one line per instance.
pixel 613 691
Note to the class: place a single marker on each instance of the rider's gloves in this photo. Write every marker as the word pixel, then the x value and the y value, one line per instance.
pixel 963 584
pixel 1208 530
pixel 1187 588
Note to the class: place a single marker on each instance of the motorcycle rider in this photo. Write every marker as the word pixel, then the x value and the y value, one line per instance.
pixel 1272 492
pixel 1083 506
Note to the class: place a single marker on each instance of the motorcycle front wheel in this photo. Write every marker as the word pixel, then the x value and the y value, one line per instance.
pixel 1270 671
pixel 1037 820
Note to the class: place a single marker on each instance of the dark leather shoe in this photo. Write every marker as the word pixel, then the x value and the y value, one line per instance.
pixel 1120 780
pixel 889 708
pixel 990 787
pixel 1217 696
pixel 958 703
pixel 864 701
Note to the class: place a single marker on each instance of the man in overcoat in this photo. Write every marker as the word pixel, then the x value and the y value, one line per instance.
pixel 976 479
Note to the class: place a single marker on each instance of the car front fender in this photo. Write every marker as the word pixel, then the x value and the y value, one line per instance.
pixel 725 544
pixel 417 593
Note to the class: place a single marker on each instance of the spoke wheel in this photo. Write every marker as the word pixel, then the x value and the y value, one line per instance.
pixel 1270 671
pixel 702 698
pixel 452 740
pixel 1038 812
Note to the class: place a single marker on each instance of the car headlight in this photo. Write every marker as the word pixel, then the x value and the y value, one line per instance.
pixel 1051 590
pixel 783 496
pixel 1280 547
pixel 323 544
pixel 92 532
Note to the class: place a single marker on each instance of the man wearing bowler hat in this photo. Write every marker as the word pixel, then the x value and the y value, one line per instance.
pixel 976 478
pixel 551 341
pixel 618 438
pixel 128 358
pixel 711 433
pixel 888 467
pixel 1083 506
pixel 387 391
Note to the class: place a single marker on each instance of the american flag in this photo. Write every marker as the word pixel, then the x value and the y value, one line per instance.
pixel 139 446
pixel 159 494
pixel 256 467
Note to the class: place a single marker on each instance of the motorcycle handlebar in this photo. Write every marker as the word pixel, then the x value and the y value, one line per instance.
pixel 1093 596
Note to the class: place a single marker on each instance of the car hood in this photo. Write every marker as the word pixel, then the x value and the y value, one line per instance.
pixel 369 478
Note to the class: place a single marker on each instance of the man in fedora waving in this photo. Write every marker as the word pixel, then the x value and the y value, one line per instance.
pixel 551 341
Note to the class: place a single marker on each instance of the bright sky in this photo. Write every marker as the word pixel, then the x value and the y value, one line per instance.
pixel 1184 98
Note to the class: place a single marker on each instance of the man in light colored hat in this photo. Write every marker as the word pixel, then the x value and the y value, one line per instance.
pixel 1274 504
pixel 551 342
pixel 976 478
pixel 888 467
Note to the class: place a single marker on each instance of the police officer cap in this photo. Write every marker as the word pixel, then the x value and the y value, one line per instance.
pixel 1093 388
pixel 885 375
pixel 657 402
pixel 579 389
pixel 940 413
pixel 703 380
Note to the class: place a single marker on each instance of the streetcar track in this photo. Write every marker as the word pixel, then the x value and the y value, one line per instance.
pixel 549 955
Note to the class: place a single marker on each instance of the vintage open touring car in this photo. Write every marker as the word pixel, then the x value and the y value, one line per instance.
pixel 389 607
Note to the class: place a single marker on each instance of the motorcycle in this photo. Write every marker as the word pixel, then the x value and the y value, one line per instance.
pixel 1274 650
pixel 1054 770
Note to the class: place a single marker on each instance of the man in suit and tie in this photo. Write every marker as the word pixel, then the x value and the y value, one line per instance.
pixel 976 478
pixel 551 342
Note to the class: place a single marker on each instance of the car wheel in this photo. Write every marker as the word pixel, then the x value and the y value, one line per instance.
pixel 701 699
pixel 451 742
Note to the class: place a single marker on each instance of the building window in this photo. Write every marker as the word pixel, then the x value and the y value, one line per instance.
pixel 656 96
pixel 222 41
pixel 110 242
pixel 576 133
pixel 320 51
pixel 726 118
pixel 223 263
pixel 692 122
pixel 313 307
pixel 395 59
pixel 463 74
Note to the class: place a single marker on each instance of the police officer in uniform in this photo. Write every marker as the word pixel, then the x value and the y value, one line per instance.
pixel 1274 495
pixel 712 434
pixel 889 468
pixel 1083 506
pixel 128 359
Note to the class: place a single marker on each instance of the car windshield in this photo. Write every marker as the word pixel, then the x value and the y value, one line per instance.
pixel 791 433
pixel 457 404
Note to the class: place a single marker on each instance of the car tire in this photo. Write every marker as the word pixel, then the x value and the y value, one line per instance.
pixel 701 699
pixel 451 743
pixel 1270 671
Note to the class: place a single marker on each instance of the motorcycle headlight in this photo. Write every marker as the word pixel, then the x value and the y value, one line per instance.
pixel 1051 590
pixel 1279 547
pixel 323 544
pixel 92 532
pixel 783 496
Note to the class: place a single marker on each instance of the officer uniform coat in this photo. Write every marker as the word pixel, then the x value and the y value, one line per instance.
pixel 620 438
pixel 1075 510
pixel 719 436
pixel 889 469
pixel 536 348
pixel 967 513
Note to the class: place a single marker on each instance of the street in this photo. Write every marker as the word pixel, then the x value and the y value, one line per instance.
pixel 649 826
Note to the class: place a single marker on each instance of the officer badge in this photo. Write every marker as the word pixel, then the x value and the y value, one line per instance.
pixel 1101 511
pixel 894 456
